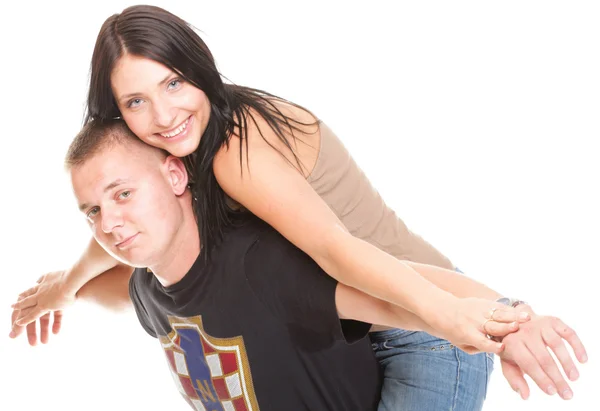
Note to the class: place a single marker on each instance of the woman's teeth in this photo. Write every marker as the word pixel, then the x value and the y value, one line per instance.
pixel 177 131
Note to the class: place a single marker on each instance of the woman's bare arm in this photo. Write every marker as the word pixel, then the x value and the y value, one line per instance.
pixel 271 188
pixel 356 305
pixel 458 284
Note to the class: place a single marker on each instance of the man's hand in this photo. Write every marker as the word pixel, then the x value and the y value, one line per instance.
pixel 49 295
pixel 44 326
pixel 526 352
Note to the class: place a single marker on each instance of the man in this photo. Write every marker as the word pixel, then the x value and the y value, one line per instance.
pixel 256 327
pixel 226 327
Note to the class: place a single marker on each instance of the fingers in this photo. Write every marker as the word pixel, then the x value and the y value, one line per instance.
pixel 550 368
pixel 508 315
pixel 25 302
pixel 57 325
pixel 515 378
pixel 31 327
pixel 556 344
pixel 484 344
pixel 32 333
pixel 44 325
pixel 571 337
pixel 16 330
pixel 497 329
pixel 29 315
pixel 531 364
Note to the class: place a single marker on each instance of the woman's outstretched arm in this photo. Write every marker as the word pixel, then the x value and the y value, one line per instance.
pixel 267 184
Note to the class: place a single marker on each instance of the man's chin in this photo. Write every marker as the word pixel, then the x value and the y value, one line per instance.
pixel 131 260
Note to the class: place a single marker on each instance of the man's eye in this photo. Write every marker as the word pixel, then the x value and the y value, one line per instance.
pixel 92 213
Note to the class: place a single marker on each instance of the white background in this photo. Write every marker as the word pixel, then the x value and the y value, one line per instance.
pixel 478 122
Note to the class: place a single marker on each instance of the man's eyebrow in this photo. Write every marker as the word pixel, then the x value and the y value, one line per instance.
pixel 109 187
pixel 160 83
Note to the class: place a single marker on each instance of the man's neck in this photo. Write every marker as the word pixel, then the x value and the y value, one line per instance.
pixel 182 253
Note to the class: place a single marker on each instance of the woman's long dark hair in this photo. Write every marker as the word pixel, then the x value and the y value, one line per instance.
pixel 156 34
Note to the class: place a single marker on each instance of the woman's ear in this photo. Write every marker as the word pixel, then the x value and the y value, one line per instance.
pixel 177 174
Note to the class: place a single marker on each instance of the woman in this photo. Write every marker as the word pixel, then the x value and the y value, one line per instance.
pixel 249 150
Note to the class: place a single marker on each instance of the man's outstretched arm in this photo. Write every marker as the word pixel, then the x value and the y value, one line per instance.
pixel 109 290
pixel 526 351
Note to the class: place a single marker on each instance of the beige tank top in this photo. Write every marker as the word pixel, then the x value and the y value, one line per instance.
pixel 346 189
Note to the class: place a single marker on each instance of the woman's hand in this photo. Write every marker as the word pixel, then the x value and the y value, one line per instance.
pixel 468 322
pixel 45 322
pixel 50 294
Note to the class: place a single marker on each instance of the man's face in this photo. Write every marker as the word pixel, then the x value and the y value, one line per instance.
pixel 126 193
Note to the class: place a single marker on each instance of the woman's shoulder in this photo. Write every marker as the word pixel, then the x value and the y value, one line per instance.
pixel 297 113
pixel 298 133
pixel 302 121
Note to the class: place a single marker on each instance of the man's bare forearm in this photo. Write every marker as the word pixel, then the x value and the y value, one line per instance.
pixel 93 262
pixel 356 305
pixel 109 289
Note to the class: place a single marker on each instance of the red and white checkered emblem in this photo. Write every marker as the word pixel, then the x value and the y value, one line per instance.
pixel 212 374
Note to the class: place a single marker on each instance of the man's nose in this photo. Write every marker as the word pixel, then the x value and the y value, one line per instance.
pixel 111 219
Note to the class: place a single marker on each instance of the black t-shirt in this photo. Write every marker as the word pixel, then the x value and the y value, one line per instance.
pixel 257 328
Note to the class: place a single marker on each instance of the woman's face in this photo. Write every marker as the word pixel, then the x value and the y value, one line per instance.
pixel 159 106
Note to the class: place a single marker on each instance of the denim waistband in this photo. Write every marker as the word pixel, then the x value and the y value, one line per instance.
pixel 381 336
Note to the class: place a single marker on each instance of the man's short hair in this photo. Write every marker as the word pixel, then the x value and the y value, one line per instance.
pixel 98 135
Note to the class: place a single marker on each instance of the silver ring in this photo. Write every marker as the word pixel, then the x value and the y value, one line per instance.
pixel 484 330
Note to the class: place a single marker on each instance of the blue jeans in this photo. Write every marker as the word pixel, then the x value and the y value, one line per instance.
pixel 424 373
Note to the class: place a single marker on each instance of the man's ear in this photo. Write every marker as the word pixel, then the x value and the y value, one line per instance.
pixel 177 174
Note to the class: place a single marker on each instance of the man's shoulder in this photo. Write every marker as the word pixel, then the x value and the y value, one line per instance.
pixel 140 279
pixel 247 230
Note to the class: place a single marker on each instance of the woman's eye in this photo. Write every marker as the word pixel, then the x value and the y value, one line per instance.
pixel 134 103
pixel 125 194
pixel 174 83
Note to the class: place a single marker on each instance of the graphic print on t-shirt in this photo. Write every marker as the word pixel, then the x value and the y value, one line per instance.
pixel 212 374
